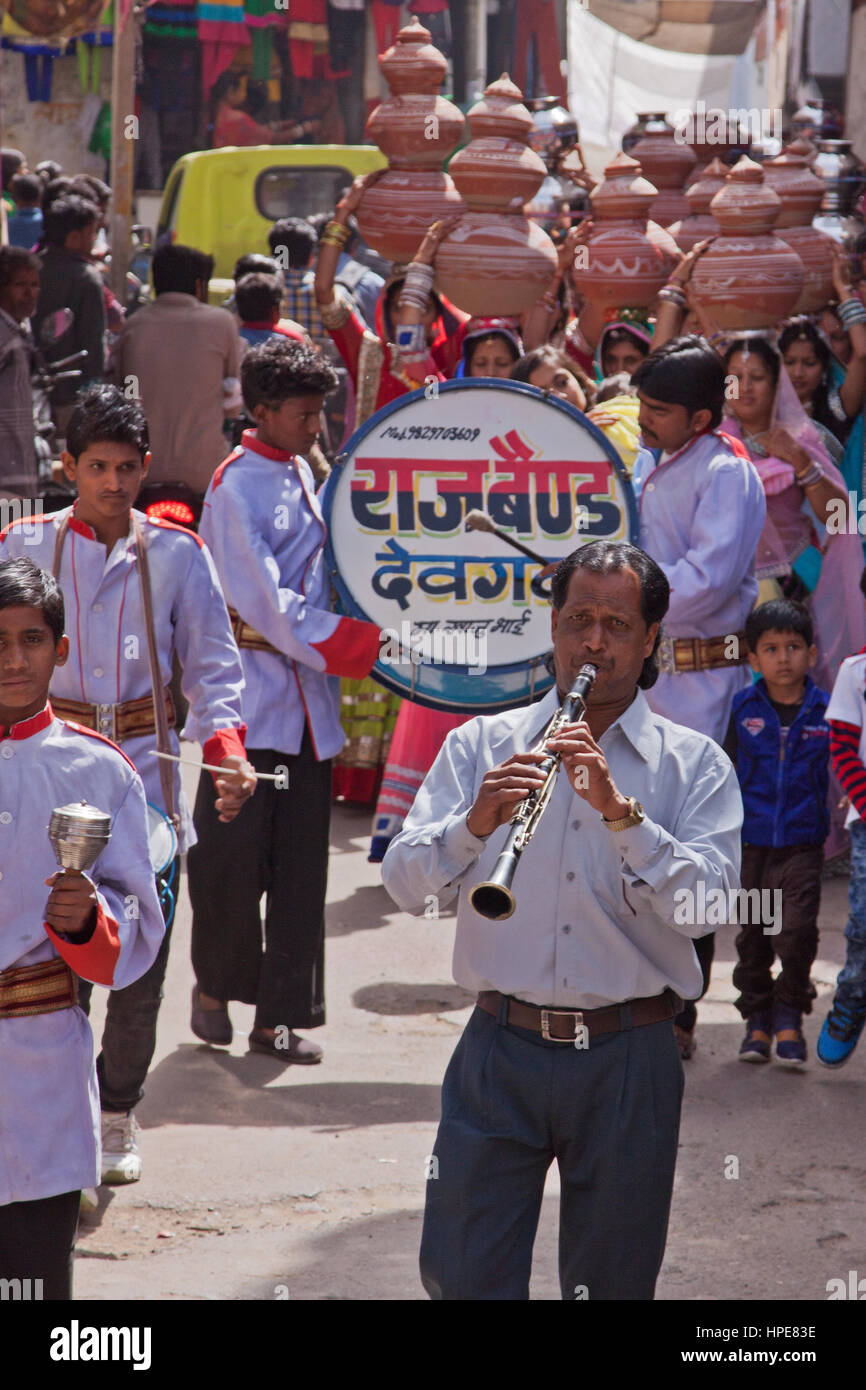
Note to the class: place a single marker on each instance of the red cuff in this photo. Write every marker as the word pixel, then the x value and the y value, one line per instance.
pixel 94 959
pixel 225 743
pixel 351 649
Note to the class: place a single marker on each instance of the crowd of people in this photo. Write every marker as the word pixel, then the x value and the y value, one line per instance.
pixel 728 642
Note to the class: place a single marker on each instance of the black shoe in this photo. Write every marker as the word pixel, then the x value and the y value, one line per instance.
pixel 286 1046
pixel 211 1025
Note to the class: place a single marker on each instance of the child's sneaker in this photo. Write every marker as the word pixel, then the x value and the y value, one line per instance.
pixel 790 1043
pixel 839 1036
pixel 755 1046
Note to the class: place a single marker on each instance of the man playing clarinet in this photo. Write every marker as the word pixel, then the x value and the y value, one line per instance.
pixel 570 1054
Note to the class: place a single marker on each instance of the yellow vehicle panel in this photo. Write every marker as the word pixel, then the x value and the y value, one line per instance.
pixel 224 201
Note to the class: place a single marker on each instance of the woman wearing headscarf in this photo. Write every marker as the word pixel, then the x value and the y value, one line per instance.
pixel 802 557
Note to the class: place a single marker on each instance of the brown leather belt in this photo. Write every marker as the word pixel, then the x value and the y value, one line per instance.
pixel 248 637
pixel 37 989
pixel 564 1025
pixel 679 654
pixel 132 719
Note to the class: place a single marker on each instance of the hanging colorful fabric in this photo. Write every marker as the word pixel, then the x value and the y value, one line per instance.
pixel 100 140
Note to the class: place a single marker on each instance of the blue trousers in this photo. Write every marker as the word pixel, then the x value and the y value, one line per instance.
pixel 511 1104
pixel 851 983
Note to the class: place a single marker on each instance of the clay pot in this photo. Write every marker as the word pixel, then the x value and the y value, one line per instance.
pixel 749 277
pixel 699 224
pixel 801 191
pixel 628 259
pixel 667 163
pixel 496 261
pixel 647 123
pixel 416 129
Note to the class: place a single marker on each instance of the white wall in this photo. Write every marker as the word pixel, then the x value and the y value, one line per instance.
pixel 51 130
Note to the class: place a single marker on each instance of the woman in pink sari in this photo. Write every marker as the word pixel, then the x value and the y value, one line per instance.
pixel 819 566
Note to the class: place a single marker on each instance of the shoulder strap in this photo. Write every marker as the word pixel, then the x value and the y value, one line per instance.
pixel 163 743
pixel 58 545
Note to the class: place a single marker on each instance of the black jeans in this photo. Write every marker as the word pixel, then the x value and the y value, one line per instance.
pixel 37 1240
pixel 129 1035
pixel 277 845
pixel 795 872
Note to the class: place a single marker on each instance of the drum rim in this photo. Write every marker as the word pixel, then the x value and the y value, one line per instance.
pixel 174 840
pixel 351 607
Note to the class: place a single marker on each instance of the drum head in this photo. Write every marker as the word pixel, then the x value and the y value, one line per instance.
pixel 464 630
pixel 162 839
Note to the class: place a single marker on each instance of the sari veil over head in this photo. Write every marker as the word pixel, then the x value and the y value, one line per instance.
pixel 792 529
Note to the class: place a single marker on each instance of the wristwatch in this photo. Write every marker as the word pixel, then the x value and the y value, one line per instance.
pixel 634 817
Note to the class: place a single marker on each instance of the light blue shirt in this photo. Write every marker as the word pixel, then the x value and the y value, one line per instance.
pixel 596 916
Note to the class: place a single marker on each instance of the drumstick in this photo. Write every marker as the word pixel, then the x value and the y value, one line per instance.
pixel 480 521
pixel 210 767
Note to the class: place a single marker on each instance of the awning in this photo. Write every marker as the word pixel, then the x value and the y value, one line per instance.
pixel 721 27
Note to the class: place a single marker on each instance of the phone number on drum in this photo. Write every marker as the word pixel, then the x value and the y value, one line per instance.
pixel 430 432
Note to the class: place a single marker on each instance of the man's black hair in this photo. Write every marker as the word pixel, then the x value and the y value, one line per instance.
pixel 686 372
pixel 609 557
pixel 55 189
pixel 297 236
pixel 10 162
pixel 275 370
pixel 48 169
pixel 779 615
pixel 13 259
pixel 25 585
pixel 68 214
pixel 93 188
pixel 27 188
pixel 256 297
pixel 104 415
pixel 253 263
pixel 176 268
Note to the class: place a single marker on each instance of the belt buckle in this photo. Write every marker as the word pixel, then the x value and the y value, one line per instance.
pixel 547 1014
pixel 665 657
pixel 106 721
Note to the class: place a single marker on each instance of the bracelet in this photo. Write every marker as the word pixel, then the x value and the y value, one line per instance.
pixel 411 300
pixel 419 276
pixel 338 230
pixel 335 314
pixel 411 341
pixel 674 296
pixel 852 311
pixel 813 475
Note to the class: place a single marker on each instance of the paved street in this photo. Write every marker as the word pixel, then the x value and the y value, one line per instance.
pixel 265 1182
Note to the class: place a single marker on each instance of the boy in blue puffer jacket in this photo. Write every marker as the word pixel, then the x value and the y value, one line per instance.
pixel 778 740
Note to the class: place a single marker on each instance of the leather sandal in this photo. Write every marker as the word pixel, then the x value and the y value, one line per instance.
pixel 293 1049
pixel 211 1025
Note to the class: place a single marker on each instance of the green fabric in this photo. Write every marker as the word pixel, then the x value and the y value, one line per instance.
pixel 100 139
pixel 263 42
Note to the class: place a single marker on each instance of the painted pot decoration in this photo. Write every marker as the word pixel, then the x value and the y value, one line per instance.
pixel 496 261
pixel 667 162
pixel 416 129
pixel 628 260
pixel 749 277
pixel 700 224
pixel 801 191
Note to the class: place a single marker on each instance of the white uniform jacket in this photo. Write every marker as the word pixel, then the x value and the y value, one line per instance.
pixel 49 1103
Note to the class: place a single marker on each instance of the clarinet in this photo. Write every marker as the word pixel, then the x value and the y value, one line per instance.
pixel 493 898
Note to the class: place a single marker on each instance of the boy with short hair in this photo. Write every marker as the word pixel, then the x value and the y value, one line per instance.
pixel 110 558
pixel 778 739
pixel 264 525
pixel 104 926
pixel 25 224
pixel 844 1023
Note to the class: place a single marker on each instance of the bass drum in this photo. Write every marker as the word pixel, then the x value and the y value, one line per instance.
pixel 463 629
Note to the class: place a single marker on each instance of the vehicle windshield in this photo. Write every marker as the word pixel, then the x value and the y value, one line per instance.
pixel 299 191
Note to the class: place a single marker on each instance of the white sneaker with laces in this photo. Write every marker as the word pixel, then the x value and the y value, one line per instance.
pixel 121 1162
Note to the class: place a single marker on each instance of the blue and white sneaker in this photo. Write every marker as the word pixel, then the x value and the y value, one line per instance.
pixel 839 1035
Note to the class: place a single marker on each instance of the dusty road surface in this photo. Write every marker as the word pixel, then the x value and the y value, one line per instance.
pixel 262 1181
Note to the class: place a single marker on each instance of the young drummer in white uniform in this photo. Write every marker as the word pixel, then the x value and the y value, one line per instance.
pixel 263 522
pixel 104 926
pixel 107 684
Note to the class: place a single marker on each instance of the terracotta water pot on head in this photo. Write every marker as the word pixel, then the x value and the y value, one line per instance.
pixel 416 129
pixel 790 176
pixel 749 277
pixel 667 161
pixel 496 260
pixel 699 225
pixel 627 259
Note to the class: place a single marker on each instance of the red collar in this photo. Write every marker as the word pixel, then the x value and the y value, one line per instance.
pixel 251 441
pixel 81 528
pixel 26 728
pixel 261 323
